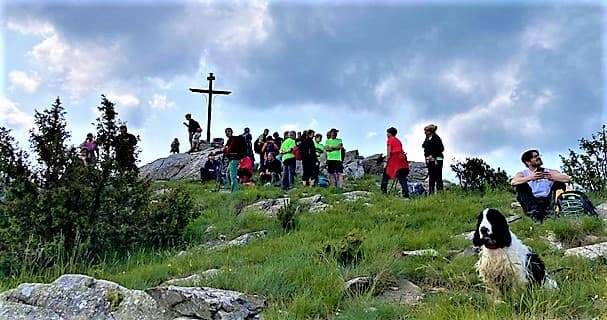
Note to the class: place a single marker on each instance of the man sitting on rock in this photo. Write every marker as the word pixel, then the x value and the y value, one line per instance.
pixel 210 170
pixel 271 170
pixel 535 186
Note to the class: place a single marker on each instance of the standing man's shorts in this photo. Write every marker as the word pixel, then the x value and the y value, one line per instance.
pixel 335 166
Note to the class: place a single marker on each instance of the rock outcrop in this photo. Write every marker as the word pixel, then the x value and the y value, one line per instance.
pixel 77 297
pixel 187 165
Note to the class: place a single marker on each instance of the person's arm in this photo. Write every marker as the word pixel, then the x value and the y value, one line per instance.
pixel 519 178
pixel 555 175
pixel 388 151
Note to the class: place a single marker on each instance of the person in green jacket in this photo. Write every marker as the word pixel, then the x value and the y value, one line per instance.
pixel 320 148
pixel 335 166
pixel 288 161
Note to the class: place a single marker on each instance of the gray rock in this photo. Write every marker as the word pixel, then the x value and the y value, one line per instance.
pixel 270 206
pixel 314 203
pixel 207 303
pixel 405 293
pixel 554 243
pixel 239 241
pixel 591 252
pixel 419 253
pixel 351 155
pixel 193 280
pixel 178 166
pixel 515 205
pixel 354 169
pixel 78 297
pixel 356 195
pixel 357 286
pixel 418 172
pixel 601 210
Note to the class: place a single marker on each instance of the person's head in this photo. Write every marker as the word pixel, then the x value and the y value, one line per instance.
pixel 298 134
pixel 328 134
pixel 311 134
pixel 333 133
pixel 285 134
pixel 303 135
pixel 177 140
pixel 531 159
pixel 391 132
pixel 292 134
pixel 123 129
pixel 269 139
pixel 430 130
pixel 270 156
pixel 199 130
pixel 266 132
pixel 188 116
pixel 318 137
pixel 276 135
pixel 247 130
pixel 228 132
pixel 211 156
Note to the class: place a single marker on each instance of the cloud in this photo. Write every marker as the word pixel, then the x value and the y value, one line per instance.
pixel 29 26
pixel 161 102
pixel 371 135
pixel 12 116
pixel 24 81
pixel 123 100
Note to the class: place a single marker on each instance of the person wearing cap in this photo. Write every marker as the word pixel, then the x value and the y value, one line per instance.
pixel 433 151
pixel 125 149
pixel 397 166
pixel 335 168
pixel 193 126
pixel 535 186
pixel 288 161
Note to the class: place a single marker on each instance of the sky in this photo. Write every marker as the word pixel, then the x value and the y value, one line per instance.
pixel 496 77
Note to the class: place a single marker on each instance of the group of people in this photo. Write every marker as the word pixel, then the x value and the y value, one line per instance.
pixel 124 144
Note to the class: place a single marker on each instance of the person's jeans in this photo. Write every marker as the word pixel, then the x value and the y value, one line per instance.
pixel 435 175
pixel 536 207
pixel 233 174
pixel 288 173
pixel 402 179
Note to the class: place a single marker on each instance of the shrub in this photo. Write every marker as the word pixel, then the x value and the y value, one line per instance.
pixel 287 215
pixel 348 251
pixel 475 174
pixel 67 211
pixel 589 167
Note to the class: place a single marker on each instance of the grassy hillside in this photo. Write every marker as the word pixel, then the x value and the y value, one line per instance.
pixel 301 283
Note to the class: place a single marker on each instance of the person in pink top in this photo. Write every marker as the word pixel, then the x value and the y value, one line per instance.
pixel 397 166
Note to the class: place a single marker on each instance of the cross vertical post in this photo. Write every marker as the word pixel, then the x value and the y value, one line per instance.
pixel 210 92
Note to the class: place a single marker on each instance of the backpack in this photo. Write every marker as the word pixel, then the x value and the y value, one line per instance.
pixel 574 203
pixel 297 153
pixel 257 146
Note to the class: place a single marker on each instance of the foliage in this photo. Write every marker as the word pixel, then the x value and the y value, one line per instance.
pixel 287 215
pixel 349 249
pixel 589 167
pixel 67 207
pixel 475 174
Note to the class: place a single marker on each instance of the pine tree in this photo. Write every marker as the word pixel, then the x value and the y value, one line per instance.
pixel 107 131
pixel 49 142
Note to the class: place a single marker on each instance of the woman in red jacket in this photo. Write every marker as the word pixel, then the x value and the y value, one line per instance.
pixel 397 166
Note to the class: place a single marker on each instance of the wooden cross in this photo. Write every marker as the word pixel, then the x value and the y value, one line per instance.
pixel 210 92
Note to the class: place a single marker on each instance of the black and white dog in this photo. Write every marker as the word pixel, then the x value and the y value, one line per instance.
pixel 504 260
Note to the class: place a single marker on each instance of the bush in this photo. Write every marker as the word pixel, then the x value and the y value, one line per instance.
pixel 475 174
pixel 287 216
pixel 589 167
pixel 348 251
pixel 64 210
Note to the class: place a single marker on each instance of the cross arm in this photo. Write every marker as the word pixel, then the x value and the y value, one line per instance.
pixel 209 91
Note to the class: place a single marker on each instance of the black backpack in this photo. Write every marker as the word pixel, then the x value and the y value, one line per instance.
pixel 257 146
pixel 574 203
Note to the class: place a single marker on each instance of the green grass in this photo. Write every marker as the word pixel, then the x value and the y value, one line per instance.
pixel 290 270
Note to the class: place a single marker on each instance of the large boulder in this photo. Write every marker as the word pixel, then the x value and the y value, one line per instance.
pixel 77 297
pixel 207 303
pixel 178 166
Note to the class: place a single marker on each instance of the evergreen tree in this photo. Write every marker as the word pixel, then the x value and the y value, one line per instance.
pixel 49 142
pixel 107 131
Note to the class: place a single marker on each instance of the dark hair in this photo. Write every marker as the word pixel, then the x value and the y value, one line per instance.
pixel 527 155
pixel 392 131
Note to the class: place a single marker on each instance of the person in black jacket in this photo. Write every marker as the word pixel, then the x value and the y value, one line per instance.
pixel 433 151
pixel 211 169
pixel 309 160
pixel 193 126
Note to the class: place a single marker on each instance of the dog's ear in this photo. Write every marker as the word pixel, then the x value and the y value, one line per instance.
pixel 501 230
pixel 476 239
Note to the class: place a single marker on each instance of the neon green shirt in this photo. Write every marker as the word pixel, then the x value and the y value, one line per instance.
pixel 319 148
pixel 336 154
pixel 286 149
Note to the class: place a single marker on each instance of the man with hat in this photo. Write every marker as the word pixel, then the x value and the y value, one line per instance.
pixel 335 167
